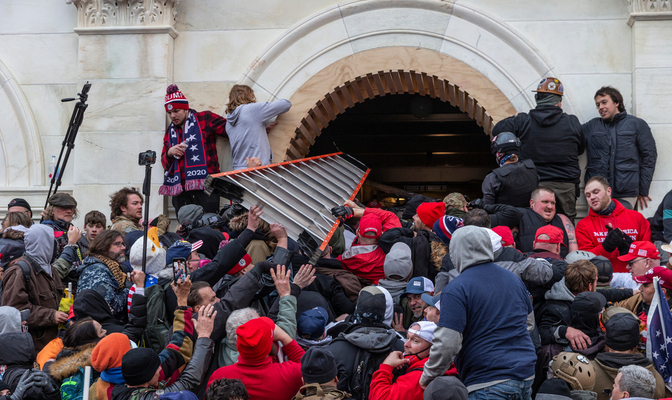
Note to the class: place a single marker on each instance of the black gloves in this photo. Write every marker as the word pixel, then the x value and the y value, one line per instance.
pixel 343 212
pixel 25 383
pixel 478 203
pixel 616 239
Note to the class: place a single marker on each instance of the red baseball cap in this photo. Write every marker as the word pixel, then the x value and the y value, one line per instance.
pixel 554 233
pixel 370 227
pixel 641 249
pixel 255 339
pixel 505 233
pixel 242 264
pixel 663 273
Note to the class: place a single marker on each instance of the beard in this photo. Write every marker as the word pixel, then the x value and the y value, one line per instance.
pixel 119 257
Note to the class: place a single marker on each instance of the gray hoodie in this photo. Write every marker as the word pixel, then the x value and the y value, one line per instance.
pixel 247 133
pixel 473 247
pixel 10 320
pixel 39 241
pixel 560 292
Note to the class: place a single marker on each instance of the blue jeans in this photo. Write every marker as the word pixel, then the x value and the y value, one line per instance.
pixel 508 390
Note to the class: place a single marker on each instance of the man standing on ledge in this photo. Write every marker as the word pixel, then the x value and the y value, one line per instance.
pixel 621 148
pixel 553 140
pixel 189 153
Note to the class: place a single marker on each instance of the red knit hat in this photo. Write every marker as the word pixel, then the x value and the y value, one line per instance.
pixel 429 213
pixel 175 100
pixel 109 351
pixel 255 339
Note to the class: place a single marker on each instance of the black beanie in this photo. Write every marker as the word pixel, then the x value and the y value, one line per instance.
pixel 622 332
pixel 138 366
pixel 318 366
pixel 554 389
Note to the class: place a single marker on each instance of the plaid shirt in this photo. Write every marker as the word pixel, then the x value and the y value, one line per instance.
pixel 212 125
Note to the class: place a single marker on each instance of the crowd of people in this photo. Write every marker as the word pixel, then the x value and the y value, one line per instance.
pixel 501 297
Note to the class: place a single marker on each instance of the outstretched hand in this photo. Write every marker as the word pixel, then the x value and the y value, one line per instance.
pixel 253 217
pixel 281 280
pixel 305 276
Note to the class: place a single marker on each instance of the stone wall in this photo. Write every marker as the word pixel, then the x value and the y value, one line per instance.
pixel 130 50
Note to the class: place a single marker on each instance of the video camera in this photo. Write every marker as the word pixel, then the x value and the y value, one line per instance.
pixel 147 158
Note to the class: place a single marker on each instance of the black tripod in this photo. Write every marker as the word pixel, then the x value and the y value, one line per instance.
pixel 69 140
pixel 146 158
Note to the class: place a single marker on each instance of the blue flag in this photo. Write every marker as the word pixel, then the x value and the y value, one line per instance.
pixel 659 327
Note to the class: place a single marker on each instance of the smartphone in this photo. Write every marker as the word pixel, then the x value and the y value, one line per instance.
pixel 179 269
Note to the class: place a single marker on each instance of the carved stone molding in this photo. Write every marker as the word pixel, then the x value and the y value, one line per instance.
pixel 125 16
pixel 649 10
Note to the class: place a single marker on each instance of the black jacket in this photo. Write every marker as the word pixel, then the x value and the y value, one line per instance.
pixel 90 303
pixel 19 359
pixel 511 184
pixel 623 151
pixel 425 247
pixel 551 138
pixel 661 227
pixel 527 230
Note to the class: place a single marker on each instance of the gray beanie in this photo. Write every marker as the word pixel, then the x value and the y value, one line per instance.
pixel 398 262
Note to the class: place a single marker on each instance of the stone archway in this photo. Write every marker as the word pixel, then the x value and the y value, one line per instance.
pixel 20 146
pixel 380 84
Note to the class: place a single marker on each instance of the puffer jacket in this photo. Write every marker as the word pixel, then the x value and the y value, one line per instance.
pixel 69 361
pixel 606 368
pixel 622 150
pixel 20 359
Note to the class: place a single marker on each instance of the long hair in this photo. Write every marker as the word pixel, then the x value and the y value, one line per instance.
pixel 101 244
pixel 16 218
pixel 49 211
pixel 80 333
pixel 239 95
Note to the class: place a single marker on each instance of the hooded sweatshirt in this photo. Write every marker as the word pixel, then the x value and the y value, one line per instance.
pixel 485 334
pixel 556 314
pixel 10 320
pixel 39 241
pixel 247 133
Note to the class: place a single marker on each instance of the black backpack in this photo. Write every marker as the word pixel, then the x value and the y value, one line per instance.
pixel 358 384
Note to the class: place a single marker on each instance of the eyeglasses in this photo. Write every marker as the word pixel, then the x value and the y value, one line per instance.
pixel 119 244
pixel 633 262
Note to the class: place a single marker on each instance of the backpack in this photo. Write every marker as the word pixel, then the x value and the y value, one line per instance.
pixel 72 388
pixel 366 363
pixel 25 270
pixel 158 326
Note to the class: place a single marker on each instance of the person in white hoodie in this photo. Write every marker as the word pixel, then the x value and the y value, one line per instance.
pixel 246 128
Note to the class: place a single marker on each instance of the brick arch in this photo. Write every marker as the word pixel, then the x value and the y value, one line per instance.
pixel 381 83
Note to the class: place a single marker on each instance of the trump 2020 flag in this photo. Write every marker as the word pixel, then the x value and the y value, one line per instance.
pixel 659 327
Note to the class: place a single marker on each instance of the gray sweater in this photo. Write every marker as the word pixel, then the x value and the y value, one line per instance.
pixel 247 132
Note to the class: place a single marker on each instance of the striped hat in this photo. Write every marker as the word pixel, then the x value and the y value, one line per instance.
pixel 175 100
pixel 445 227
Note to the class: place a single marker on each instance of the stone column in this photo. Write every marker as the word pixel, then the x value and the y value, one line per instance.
pixel 126 52
pixel 651 22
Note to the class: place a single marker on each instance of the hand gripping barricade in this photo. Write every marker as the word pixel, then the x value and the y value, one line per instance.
pixel 298 194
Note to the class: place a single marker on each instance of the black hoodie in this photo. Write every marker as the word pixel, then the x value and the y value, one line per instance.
pixel 90 303
pixel 551 138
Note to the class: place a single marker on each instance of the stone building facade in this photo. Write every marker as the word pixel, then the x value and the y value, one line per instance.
pixel 483 56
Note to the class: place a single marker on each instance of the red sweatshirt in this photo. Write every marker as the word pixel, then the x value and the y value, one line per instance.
pixel 407 386
pixel 366 260
pixel 591 232
pixel 267 379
